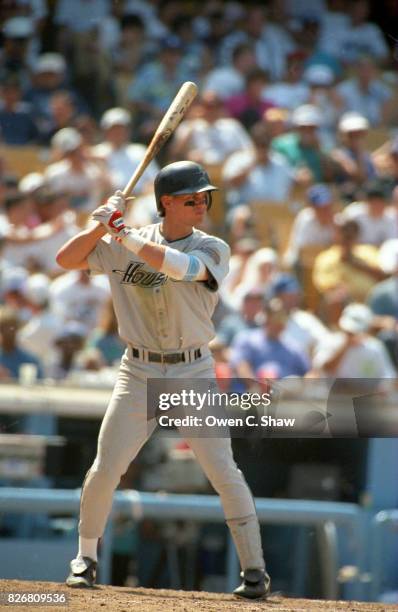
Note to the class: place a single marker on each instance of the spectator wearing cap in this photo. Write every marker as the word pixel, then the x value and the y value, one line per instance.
pixel 37 335
pixel 302 149
pixel 68 345
pixel 82 179
pixel 120 156
pixel 365 93
pixel 262 353
pixel 153 88
pixel 249 106
pixel 352 155
pixel 17 125
pixel 322 93
pixel 352 352
pixel 229 80
pixel 383 300
pixel 303 329
pixel 347 270
pixel 313 225
pixel 49 77
pixel 259 174
pixel 374 216
pixel 271 42
pixel 16 52
pixel 210 137
pixel 12 356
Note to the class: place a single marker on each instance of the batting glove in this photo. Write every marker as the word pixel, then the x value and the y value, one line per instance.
pixel 110 217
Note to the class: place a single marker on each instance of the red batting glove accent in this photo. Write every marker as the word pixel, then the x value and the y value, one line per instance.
pixel 116 221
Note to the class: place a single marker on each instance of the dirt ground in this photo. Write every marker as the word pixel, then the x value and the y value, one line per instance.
pixel 122 599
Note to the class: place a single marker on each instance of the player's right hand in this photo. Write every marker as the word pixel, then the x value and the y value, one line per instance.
pixel 110 217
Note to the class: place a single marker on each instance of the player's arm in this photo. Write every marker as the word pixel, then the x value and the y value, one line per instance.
pixel 177 265
pixel 74 253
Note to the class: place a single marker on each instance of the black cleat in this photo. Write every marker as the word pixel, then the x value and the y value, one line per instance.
pixel 83 573
pixel 256 584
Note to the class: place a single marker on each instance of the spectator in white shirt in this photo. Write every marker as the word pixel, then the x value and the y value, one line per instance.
pixel 212 136
pixel 77 296
pixel 83 180
pixel 352 352
pixel 229 80
pixel 291 91
pixel 365 93
pixel 374 216
pixel 258 174
pixel 360 37
pixel 122 157
pixel 313 225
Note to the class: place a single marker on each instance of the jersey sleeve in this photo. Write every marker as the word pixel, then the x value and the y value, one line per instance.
pixel 100 256
pixel 215 254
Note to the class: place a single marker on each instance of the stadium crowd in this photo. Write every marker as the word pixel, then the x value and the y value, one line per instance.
pixel 296 120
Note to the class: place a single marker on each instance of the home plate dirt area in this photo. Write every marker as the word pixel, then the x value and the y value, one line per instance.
pixel 127 599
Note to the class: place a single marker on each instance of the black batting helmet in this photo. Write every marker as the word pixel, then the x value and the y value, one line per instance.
pixel 179 178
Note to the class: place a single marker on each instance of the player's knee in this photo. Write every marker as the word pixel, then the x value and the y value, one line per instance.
pixel 106 469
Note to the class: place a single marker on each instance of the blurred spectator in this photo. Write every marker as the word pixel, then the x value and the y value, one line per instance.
pixel 365 93
pixel 257 175
pixel 245 318
pixel 15 52
pixel 122 157
pixel 83 180
pixel 276 121
pixel 271 42
pixel 346 271
pixel 386 162
pixel 303 329
pixel 12 356
pixel 352 155
pixel 359 37
pixel 383 300
pixel 76 296
pixel 38 334
pixel 249 106
pixel 227 81
pixel 155 85
pixel 335 23
pixel 62 114
pixel 353 353
pixel 322 93
pixel 291 91
pixel 49 77
pixel 373 216
pixel 263 353
pixel 242 250
pixel 212 136
pixel 302 148
pixel 105 337
pixel 133 45
pixel 220 353
pixel 75 17
pixel 13 283
pixel 17 126
pixel 313 225
pixel 35 247
pixel 260 270
pixel 68 344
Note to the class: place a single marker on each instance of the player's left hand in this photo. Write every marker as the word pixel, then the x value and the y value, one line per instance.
pixel 110 217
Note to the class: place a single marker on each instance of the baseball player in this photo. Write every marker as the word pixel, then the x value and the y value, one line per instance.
pixel 164 279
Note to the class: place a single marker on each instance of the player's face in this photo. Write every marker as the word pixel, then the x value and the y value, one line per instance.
pixel 191 207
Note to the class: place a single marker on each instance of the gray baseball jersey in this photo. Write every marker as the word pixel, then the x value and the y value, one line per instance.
pixel 153 310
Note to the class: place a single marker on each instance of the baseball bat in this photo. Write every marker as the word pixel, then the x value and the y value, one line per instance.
pixel 168 124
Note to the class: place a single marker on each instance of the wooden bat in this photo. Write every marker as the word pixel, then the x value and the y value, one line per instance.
pixel 172 118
